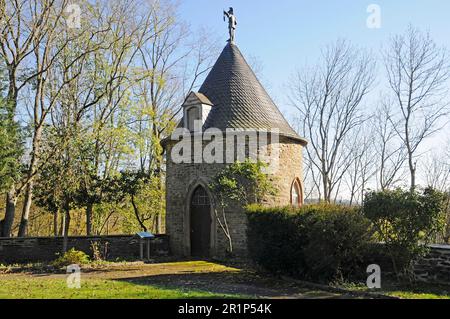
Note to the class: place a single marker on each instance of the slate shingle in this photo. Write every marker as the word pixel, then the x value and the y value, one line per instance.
pixel 239 99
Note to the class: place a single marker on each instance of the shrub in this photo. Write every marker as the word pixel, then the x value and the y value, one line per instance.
pixel 444 235
pixel 318 242
pixel 99 251
pixel 338 240
pixel 72 256
pixel 274 239
pixel 405 221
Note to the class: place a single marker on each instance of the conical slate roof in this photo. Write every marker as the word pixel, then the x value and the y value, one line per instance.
pixel 239 99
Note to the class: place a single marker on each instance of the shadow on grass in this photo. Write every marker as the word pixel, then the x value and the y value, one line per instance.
pixel 232 284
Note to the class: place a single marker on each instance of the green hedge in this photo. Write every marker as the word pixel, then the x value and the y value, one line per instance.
pixel 316 242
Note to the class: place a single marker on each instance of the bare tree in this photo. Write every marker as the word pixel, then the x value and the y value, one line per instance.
pixel 437 171
pixel 312 181
pixel 171 66
pixel 390 153
pixel 329 98
pixel 362 167
pixel 417 71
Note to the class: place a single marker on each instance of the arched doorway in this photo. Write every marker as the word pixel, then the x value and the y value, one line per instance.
pixel 200 223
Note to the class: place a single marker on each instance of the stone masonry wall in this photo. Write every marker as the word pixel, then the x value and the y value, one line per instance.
pixel 435 267
pixel 432 268
pixel 290 168
pixel 35 249
pixel 182 178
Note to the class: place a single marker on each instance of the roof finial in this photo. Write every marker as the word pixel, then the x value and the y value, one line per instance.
pixel 232 22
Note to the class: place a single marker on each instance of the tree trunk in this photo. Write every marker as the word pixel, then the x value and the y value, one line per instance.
pixel 55 223
pixel 159 170
pixel 62 222
pixel 161 200
pixel 412 169
pixel 136 213
pixel 224 226
pixel 29 190
pixel 89 219
pixel 326 192
pixel 160 223
pixel 10 212
pixel 26 210
pixel 66 229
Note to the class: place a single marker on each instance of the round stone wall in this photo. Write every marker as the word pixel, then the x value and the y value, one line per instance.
pixel 183 178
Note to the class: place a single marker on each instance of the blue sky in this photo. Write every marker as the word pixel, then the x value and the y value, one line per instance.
pixel 288 34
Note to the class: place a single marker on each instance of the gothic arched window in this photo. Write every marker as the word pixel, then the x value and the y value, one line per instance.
pixel 296 193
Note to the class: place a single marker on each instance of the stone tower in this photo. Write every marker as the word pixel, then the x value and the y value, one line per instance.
pixel 231 98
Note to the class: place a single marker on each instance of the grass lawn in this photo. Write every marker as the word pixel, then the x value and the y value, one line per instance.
pixel 56 288
pixel 126 280
pixel 420 291
pixel 185 279
pixel 404 291
pixel 182 279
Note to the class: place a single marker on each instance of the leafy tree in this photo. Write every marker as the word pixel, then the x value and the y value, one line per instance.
pixel 119 79
pixel 405 221
pixel 61 175
pixel 10 148
pixel 144 193
pixel 240 183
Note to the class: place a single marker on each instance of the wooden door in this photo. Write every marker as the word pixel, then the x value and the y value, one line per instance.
pixel 200 223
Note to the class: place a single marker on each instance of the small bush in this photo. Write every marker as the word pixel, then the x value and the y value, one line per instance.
pixel 99 251
pixel 71 257
pixel 317 242
pixel 274 239
pixel 338 239
pixel 405 221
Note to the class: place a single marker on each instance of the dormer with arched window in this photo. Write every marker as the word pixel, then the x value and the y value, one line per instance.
pixel 196 108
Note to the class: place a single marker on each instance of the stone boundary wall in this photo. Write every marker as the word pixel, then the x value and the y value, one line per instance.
pixel 435 267
pixel 43 249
